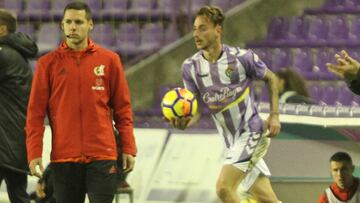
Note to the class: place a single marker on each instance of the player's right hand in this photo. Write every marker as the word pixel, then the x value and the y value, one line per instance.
pixel 180 123
pixel 33 167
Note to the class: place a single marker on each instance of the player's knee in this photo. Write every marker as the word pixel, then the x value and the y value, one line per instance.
pixel 223 191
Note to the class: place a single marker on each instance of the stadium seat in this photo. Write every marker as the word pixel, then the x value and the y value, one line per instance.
pixel 167 8
pixel 281 58
pixel 298 29
pixel 141 9
pixel 223 4
pixel 335 4
pixel 128 39
pixel 277 29
pixel 316 92
pixel 152 37
pixel 48 37
pixel 15 6
pixel 95 5
pixel 354 35
pixel 103 34
pixel 321 57
pixel 342 6
pixel 345 96
pixel 338 30
pixel 318 31
pixel 195 5
pixel 354 53
pixel 115 10
pixel 329 95
pixel 302 61
pixel 57 8
pixel 37 9
pixel 354 3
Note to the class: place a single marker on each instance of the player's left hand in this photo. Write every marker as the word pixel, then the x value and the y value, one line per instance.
pixel 273 125
pixel 128 162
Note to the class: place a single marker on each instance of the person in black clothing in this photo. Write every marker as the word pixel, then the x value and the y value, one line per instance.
pixel 292 87
pixel 348 69
pixel 15 83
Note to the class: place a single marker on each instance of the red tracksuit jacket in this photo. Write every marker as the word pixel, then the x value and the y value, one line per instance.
pixel 81 92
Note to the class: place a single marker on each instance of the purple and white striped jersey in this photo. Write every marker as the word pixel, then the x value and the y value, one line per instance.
pixel 225 88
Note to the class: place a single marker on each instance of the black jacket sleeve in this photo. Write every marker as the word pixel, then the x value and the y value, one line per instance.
pixel 355 85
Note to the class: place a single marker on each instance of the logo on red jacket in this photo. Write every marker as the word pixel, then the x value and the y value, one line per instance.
pixel 112 169
pixel 99 70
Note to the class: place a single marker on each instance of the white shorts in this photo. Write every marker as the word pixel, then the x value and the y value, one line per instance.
pixel 253 174
pixel 247 151
pixel 247 155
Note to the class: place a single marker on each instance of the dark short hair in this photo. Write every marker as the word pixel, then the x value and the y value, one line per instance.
pixel 215 14
pixel 78 5
pixel 8 19
pixel 341 157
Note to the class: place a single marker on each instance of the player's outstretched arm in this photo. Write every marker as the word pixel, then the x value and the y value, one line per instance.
pixel 272 122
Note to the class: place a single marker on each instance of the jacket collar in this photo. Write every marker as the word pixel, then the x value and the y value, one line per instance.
pixel 64 48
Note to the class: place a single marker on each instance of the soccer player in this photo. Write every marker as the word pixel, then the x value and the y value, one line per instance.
pixel 15 84
pixel 221 75
pixel 345 187
pixel 81 87
pixel 348 69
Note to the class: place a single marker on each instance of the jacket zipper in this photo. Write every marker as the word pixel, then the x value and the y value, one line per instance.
pixel 78 59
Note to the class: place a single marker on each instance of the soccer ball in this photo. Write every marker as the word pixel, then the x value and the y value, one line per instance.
pixel 248 200
pixel 178 103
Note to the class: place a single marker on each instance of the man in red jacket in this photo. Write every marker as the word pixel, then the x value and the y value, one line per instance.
pixel 345 187
pixel 81 87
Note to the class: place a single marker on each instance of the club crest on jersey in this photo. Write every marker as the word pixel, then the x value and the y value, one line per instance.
pixel 99 70
pixel 231 73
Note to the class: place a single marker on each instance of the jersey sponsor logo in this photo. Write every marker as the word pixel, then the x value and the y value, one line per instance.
pixel 223 96
pixel 99 70
pixel 99 84
pixel 62 71
pixel 112 170
pixel 97 88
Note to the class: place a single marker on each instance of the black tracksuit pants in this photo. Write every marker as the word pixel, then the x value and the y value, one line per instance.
pixel 73 180
pixel 16 184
